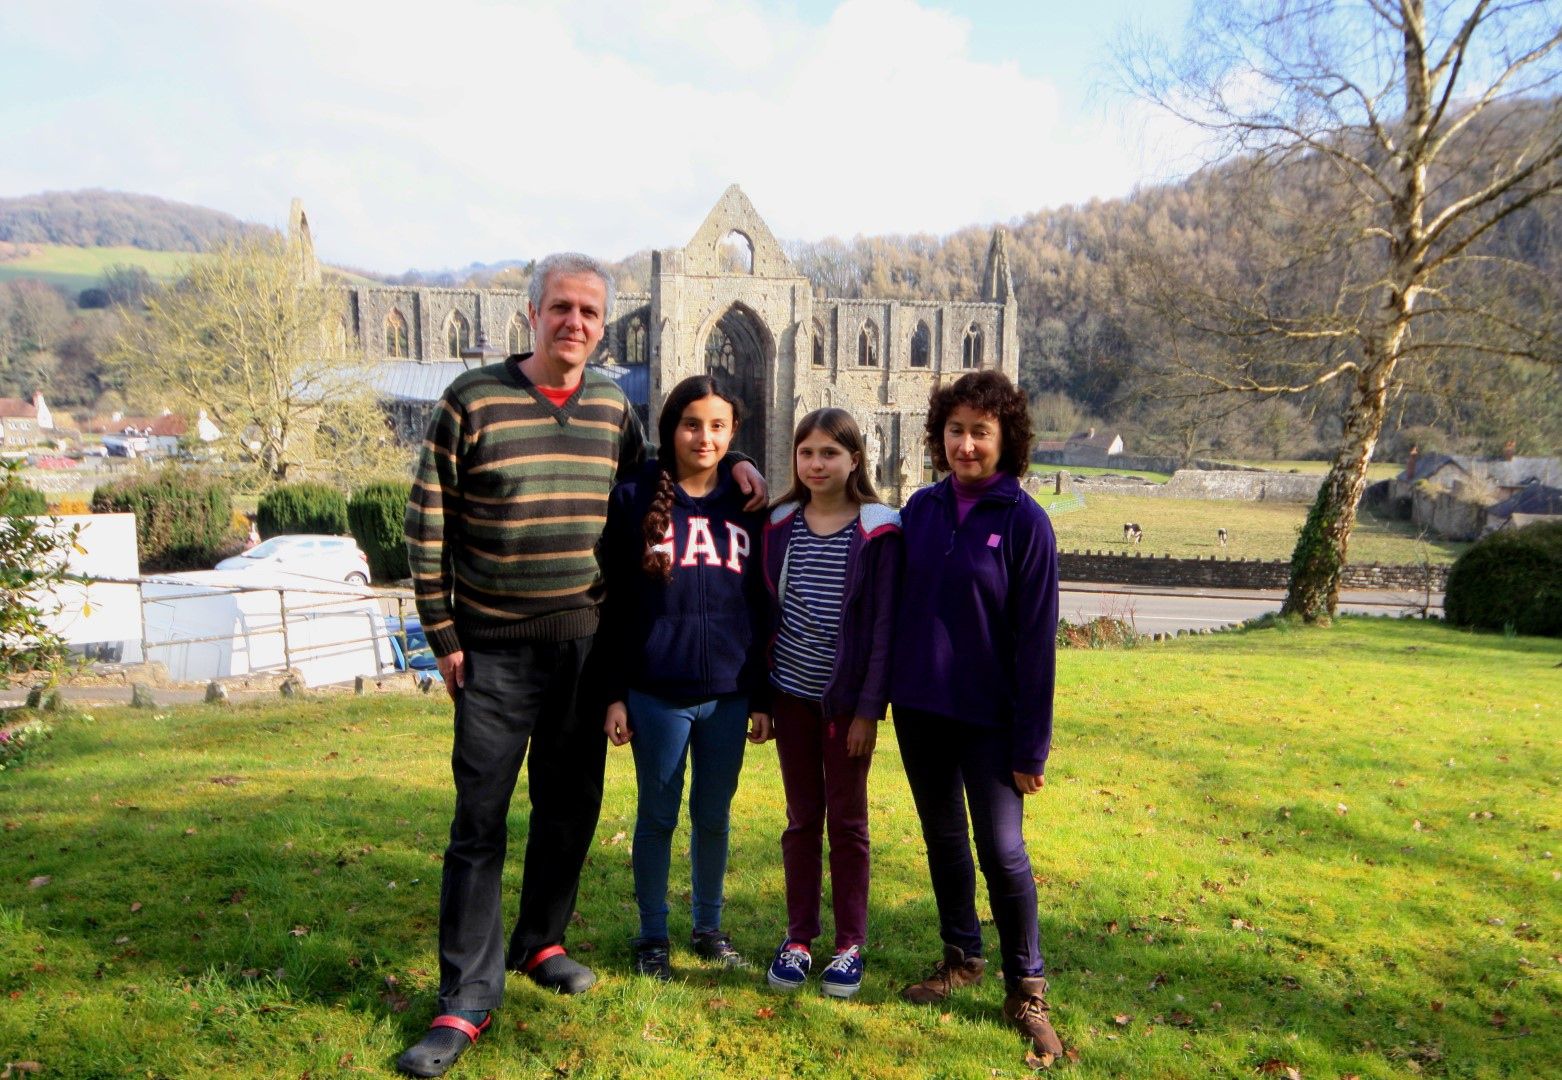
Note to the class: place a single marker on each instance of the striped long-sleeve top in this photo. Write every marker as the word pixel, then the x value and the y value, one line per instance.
pixel 508 505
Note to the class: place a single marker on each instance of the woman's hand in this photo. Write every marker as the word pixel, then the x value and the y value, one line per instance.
pixel 1028 784
pixel 759 730
pixel 861 737
pixel 617 724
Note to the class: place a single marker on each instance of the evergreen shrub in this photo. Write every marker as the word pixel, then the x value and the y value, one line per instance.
pixel 376 513
pixel 19 500
pixel 182 517
pixel 302 508
pixel 1512 578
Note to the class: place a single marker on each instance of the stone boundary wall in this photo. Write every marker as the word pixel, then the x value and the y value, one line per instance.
pixel 1106 568
pixel 1142 462
pixel 1210 484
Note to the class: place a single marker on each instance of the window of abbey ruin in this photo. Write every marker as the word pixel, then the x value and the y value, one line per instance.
pixel 635 342
pixel 971 348
pixel 518 336
pixel 818 345
pixel 921 346
pixel 719 355
pixel 868 345
pixel 736 253
pixel 396 334
pixel 458 335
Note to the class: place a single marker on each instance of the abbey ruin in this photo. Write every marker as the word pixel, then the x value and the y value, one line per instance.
pixel 729 302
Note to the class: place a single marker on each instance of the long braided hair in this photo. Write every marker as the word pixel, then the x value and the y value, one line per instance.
pixel 659 516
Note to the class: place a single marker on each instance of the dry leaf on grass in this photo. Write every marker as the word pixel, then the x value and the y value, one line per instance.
pixel 39 882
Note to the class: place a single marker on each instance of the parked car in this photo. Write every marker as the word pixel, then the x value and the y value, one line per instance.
pixel 332 558
pixel 416 655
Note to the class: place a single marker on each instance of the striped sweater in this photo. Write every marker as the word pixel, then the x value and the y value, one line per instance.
pixel 509 503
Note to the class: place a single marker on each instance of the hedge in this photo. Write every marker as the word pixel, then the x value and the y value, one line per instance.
pixel 302 508
pixel 376 513
pixel 1510 579
pixel 182 518
pixel 19 500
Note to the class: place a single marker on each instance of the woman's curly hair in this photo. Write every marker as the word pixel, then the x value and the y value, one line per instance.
pixel 988 392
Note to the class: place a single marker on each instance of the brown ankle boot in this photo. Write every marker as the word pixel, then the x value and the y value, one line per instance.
pixel 955 969
pixel 1025 1006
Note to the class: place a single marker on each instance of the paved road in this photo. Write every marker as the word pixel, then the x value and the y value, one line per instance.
pixel 1158 610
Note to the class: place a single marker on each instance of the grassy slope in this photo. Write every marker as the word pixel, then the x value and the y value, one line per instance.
pixel 286 864
pixel 82 267
pixel 1257 530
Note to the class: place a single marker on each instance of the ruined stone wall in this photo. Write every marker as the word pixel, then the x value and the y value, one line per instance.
pixel 1107 568
pixel 1199 484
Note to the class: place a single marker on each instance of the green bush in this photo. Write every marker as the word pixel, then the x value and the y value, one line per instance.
pixel 19 500
pixel 376 513
pixel 1511 579
pixel 182 517
pixel 302 508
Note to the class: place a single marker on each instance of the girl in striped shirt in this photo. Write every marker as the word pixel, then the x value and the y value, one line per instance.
pixel 832 554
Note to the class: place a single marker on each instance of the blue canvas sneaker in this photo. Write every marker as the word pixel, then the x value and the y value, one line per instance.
pixel 789 969
pixel 842 976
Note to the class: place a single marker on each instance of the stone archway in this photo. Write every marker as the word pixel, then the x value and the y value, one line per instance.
pixel 736 353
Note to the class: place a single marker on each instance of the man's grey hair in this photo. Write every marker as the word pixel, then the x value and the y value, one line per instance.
pixel 570 262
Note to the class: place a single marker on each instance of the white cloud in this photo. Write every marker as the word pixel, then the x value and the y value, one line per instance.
pixel 475 129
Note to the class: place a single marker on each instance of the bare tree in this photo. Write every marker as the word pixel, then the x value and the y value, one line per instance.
pixel 266 355
pixel 1377 147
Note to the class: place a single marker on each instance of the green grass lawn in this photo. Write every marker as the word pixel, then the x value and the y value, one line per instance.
pixel 1326 849
pixel 82 267
pixel 1256 530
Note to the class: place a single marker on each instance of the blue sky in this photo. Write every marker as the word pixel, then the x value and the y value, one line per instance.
pixel 436 134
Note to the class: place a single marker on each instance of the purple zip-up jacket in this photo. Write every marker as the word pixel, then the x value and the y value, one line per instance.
pixel 859 681
pixel 975 635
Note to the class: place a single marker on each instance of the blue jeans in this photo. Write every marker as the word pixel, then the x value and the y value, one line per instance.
pixel 665 736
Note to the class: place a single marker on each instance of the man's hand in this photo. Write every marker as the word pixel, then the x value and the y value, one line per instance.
pixel 759 729
pixel 452 668
pixel 616 726
pixel 751 482
pixel 1028 784
pixel 861 737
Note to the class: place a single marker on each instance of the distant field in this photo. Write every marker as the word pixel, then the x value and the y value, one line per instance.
pixel 1091 470
pixel 1377 470
pixel 82 267
pixel 1257 530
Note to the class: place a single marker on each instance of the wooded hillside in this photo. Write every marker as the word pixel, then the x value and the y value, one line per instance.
pixel 96 218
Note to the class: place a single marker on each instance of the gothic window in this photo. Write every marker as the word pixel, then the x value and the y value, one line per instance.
pixel 921 345
pixel 396 334
pixel 883 453
pixel 971 348
pixel 518 336
pixel 458 335
pixel 718 353
pixel 868 345
pixel 736 253
pixel 818 345
pixel 636 342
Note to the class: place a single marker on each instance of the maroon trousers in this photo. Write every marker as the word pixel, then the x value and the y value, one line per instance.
pixel 824 789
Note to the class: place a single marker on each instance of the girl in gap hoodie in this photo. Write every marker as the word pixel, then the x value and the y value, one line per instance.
pixel 972 689
pixel 832 558
pixel 679 656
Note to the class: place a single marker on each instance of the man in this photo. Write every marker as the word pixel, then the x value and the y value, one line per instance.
pixel 508 505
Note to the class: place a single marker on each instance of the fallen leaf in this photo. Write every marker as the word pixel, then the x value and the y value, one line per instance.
pixel 345 1060
pixel 21 1067
pixel 1158 981
pixel 299 931
pixel 765 1013
pixel 1039 1061
pixel 1341 808
pixel 39 882
pixel 135 907
pixel 1499 1019
pixel 1437 1006
pixel 1122 1019
pixel 1111 927
pixel 1416 825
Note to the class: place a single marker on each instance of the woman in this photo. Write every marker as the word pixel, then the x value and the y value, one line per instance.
pixel 972 685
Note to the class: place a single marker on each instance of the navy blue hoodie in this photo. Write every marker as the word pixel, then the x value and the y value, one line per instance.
pixel 690 637
pixel 975 634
